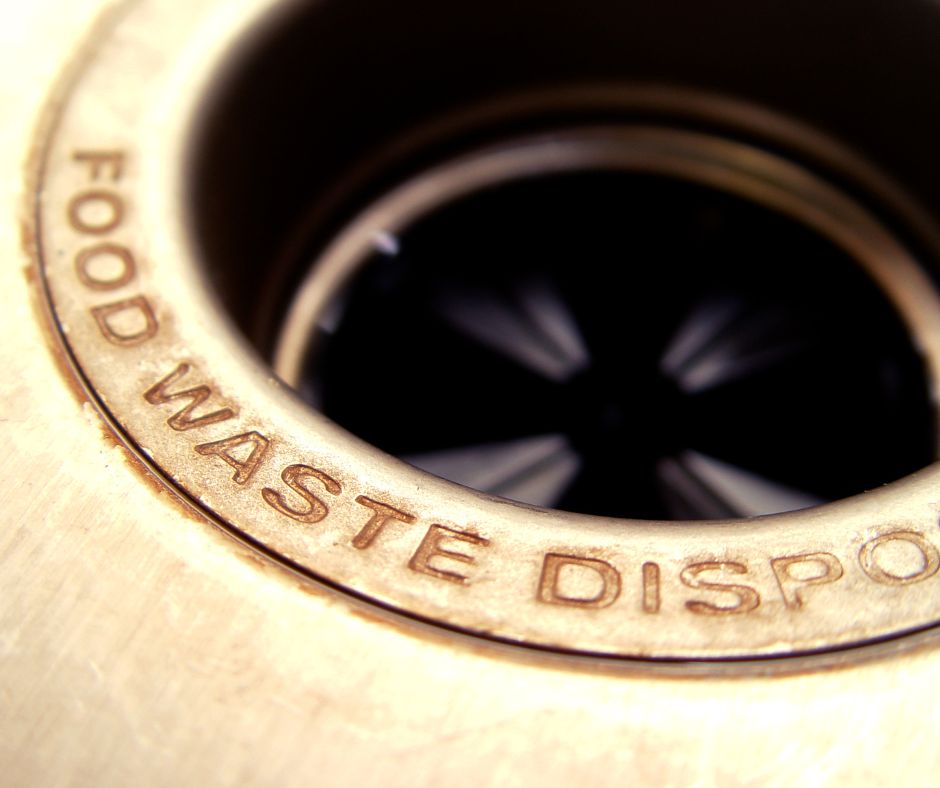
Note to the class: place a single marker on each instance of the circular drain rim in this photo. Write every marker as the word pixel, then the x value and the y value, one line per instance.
pixel 159 357
pixel 693 157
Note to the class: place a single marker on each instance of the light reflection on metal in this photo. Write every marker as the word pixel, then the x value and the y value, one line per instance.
pixel 704 486
pixel 722 342
pixel 536 330
pixel 536 470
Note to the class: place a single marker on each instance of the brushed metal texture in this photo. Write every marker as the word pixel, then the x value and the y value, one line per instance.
pixel 142 644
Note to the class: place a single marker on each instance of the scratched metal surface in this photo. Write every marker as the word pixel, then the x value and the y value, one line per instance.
pixel 140 644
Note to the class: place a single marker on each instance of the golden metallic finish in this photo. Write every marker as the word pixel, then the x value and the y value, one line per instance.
pixel 147 336
pixel 142 644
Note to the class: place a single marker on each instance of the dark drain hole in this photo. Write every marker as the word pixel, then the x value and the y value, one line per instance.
pixel 624 344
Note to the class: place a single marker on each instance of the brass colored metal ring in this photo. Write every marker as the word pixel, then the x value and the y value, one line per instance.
pixel 150 339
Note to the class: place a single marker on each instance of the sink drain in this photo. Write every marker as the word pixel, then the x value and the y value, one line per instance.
pixel 629 323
